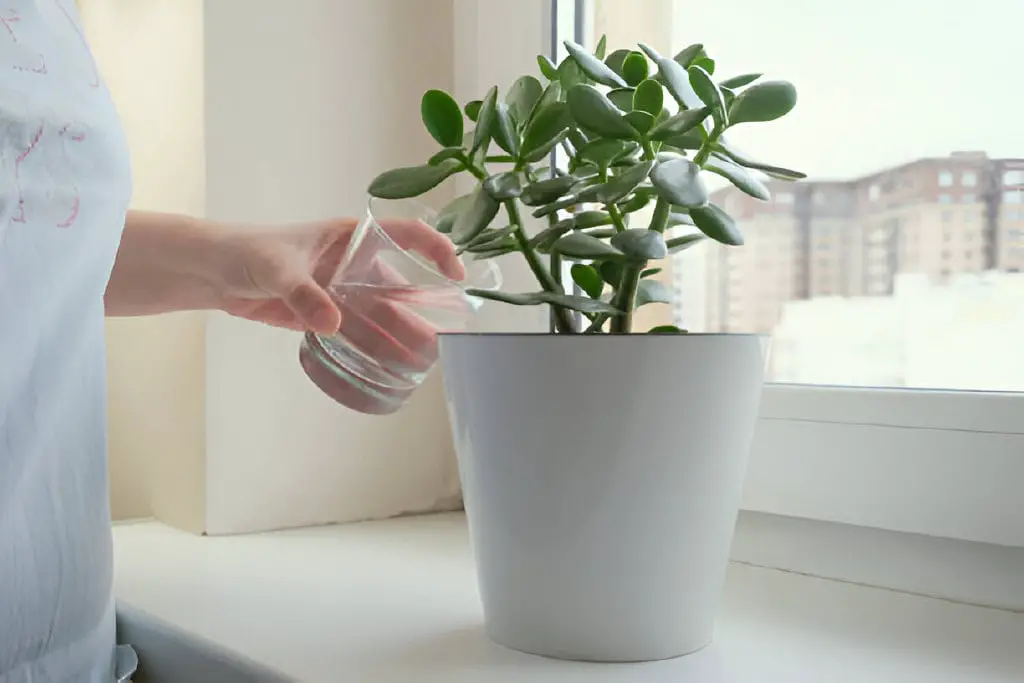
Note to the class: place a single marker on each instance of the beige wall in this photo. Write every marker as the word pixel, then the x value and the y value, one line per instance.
pixel 151 54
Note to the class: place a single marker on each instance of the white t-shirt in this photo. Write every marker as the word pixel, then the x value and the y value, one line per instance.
pixel 64 189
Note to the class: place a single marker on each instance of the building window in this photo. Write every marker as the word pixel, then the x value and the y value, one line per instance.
pixel 969 179
pixel 945 179
pixel 1013 197
pixel 1013 178
pixel 874 192
pixel 944 199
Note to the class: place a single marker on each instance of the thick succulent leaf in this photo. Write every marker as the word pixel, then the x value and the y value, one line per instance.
pixel 445 154
pixel 547 68
pixel 576 303
pixel 570 74
pixel 739 81
pixel 678 244
pixel 667 329
pixel 742 159
pixel 635 68
pixel 717 224
pixel 708 92
pixel 603 152
pixel 442 117
pixel 652 292
pixel 547 191
pixel 678 181
pixel 688 54
pixel 485 122
pixel 616 59
pixel 504 132
pixel 472 109
pixel 676 79
pixel 640 244
pixel 504 186
pixel 588 279
pixel 522 97
pixel 679 124
pixel 611 272
pixel 617 187
pixel 650 272
pixel 579 245
pixel 738 176
pixel 544 128
pixel 765 101
pixel 592 110
pixel 649 96
pixel 641 122
pixel 475 218
pixel 412 181
pixel 602 47
pixel 622 98
pixel 594 67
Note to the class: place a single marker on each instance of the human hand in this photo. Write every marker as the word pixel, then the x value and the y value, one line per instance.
pixel 278 275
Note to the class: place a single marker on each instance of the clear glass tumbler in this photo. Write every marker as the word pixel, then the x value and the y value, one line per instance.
pixel 394 302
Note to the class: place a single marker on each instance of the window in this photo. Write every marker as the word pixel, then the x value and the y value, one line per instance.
pixel 1013 197
pixel 844 449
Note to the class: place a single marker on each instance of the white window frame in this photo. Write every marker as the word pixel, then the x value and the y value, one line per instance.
pixel 941 463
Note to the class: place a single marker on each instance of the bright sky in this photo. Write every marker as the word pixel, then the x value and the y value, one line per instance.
pixel 880 82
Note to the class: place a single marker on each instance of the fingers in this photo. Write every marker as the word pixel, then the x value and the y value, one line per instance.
pixel 313 306
pixel 420 237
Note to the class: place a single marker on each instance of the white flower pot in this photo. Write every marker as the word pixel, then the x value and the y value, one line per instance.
pixel 602 476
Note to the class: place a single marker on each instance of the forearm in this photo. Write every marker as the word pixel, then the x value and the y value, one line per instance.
pixel 165 263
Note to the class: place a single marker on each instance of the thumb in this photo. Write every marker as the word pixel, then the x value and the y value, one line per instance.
pixel 312 305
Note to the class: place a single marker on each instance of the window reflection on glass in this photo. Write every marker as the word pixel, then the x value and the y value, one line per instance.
pixel 912 202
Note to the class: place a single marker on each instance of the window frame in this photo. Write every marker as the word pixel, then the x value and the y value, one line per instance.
pixel 935 462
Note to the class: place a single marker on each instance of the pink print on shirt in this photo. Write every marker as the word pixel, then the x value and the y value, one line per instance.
pixel 19 217
pixel 38 64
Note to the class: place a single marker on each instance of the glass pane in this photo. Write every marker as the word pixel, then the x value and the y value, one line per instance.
pixel 898 261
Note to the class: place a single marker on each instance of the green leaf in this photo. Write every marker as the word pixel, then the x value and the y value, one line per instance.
pixel 763 102
pixel 634 68
pixel 615 61
pixel 563 203
pixel 743 160
pixel 682 122
pixel 649 96
pixel 678 244
pixel 650 272
pixel 652 292
pixel 717 224
pixel 611 272
pixel 547 68
pixel 635 203
pixel 570 74
pixel 522 97
pixel 543 240
pixel 676 78
pixel 622 98
pixel 709 94
pixel 472 110
pixel 739 81
pixel 667 329
pixel 544 128
pixel 641 121
pixel 413 181
pixel 445 154
pixel 504 132
pixel 551 95
pixel 494 253
pixel 485 123
pixel 476 217
pixel 604 151
pixel 678 181
pixel 490 239
pixel 677 218
pixel 688 54
pixel 593 67
pixel 547 191
pixel 618 186
pixel 705 63
pixel 450 211
pixel 602 47
pixel 576 303
pixel 504 186
pixel 591 109
pixel 442 117
pixel 738 176
pixel 588 279
pixel 641 244
pixel 590 219
pixel 691 139
pixel 578 245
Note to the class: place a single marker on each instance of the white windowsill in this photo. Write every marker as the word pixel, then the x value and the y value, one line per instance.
pixel 396 602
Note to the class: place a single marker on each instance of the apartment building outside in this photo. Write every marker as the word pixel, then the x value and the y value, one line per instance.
pixel 939 217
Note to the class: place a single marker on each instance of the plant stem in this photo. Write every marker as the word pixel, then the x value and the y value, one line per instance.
pixel 599 320
pixel 564 321
pixel 625 299
pixel 705 150
pixel 617 220
pixel 659 220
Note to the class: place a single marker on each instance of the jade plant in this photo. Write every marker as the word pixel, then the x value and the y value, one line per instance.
pixel 638 130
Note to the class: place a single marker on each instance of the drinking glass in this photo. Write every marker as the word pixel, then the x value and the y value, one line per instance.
pixel 394 302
